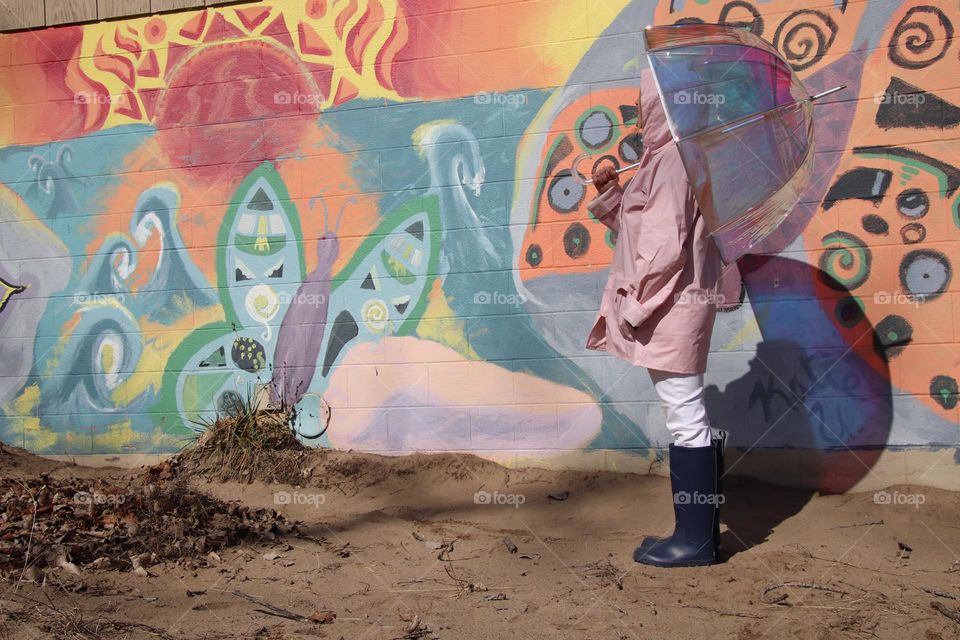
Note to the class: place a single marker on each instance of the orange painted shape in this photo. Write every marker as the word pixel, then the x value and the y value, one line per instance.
pixel 361 35
pixel 155 31
pixel 127 44
pixel 316 9
pixel 221 29
pixel 128 106
pixel 341 22
pixel 252 17
pixel 117 65
pixel 194 27
pixel 388 53
pixel 311 42
pixel 345 91
pixel 149 67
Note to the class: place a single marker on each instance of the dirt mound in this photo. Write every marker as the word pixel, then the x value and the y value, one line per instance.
pixel 282 466
pixel 347 471
pixel 257 444
pixel 328 468
pixel 79 525
pixel 15 461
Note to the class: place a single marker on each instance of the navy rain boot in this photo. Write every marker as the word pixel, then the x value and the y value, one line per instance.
pixel 693 479
pixel 719 441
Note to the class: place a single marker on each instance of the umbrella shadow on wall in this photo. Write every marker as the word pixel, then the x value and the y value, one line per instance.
pixel 813 412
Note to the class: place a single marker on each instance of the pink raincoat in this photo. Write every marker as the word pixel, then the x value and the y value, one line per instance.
pixel 659 304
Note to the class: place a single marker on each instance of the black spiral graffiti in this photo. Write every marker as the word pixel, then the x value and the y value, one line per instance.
pixel 755 23
pixel 804 37
pixel 921 38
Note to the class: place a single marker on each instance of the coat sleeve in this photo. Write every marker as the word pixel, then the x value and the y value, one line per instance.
pixel 606 207
pixel 664 223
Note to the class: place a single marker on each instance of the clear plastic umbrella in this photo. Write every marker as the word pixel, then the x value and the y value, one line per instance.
pixel 743 123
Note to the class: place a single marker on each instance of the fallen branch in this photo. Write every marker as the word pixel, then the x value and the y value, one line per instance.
pixel 465 586
pixel 74 622
pixel 462 585
pixel 861 524
pixel 798 585
pixel 940 594
pixel 361 592
pixel 720 612
pixel 416 630
pixel 33 526
pixel 805 553
pixel 271 609
pixel 942 608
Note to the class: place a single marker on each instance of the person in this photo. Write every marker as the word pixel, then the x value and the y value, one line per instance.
pixel 657 311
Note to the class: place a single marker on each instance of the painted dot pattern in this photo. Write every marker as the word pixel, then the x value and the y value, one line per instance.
pixel 248 354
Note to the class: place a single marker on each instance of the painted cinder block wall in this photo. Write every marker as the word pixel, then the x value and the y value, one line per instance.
pixel 364 207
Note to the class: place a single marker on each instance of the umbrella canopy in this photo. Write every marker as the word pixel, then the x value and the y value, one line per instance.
pixel 743 123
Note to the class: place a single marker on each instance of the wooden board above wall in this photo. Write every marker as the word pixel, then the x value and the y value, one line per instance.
pixel 173 5
pixel 64 11
pixel 21 14
pixel 116 8
pixel 31 14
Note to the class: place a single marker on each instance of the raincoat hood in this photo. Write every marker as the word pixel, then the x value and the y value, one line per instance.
pixel 656 131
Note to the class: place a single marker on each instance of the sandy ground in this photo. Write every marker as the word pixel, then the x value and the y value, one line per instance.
pixel 400 548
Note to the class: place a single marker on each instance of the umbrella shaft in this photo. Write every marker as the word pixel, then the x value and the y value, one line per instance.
pixel 621 170
pixel 823 94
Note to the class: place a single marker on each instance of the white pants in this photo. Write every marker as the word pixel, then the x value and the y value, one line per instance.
pixel 681 396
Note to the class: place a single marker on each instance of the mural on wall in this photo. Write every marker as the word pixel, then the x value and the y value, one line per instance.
pixel 895 211
pixel 366 208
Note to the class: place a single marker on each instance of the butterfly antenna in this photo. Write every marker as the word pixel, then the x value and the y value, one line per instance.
pixel 351 200
pixel 326 211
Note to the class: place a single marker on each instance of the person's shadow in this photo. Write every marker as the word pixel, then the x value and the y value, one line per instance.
pixel 814 410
